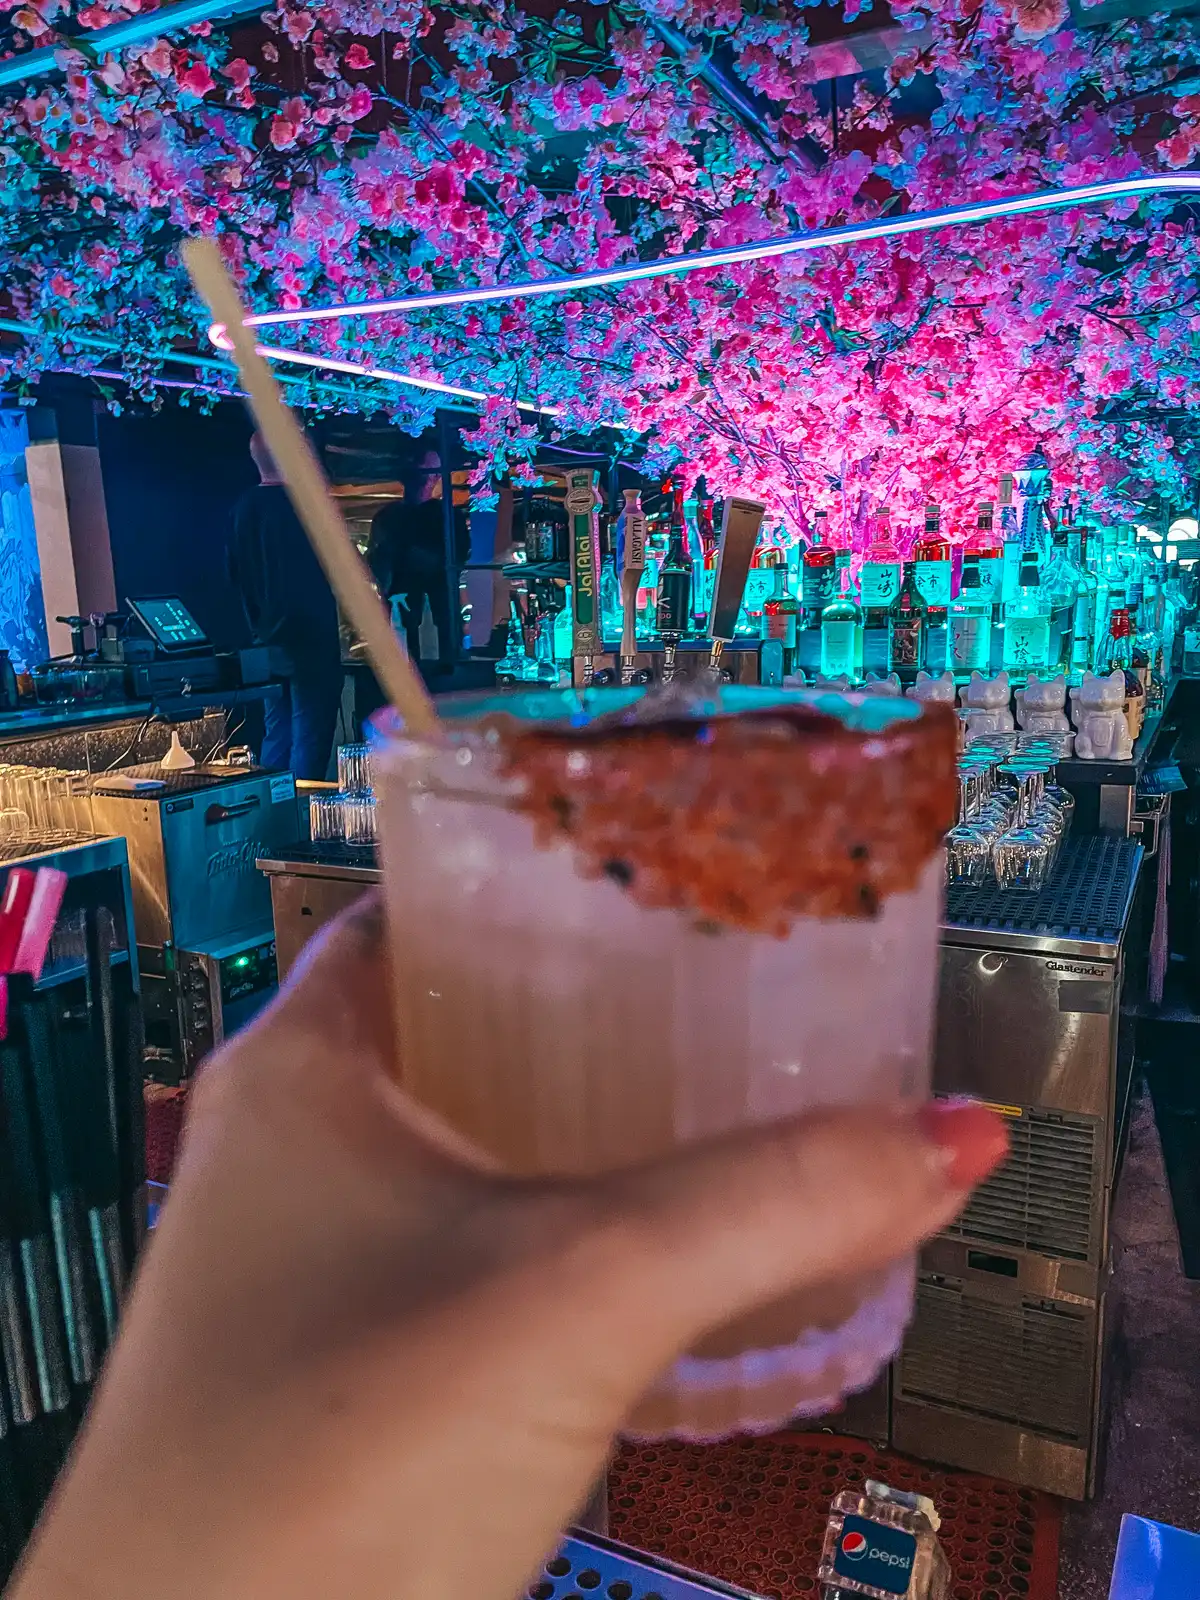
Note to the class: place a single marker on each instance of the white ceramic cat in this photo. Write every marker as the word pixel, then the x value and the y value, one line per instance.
pixel 839 685
pixel 1040 705
pixel 939 690
pixel 1098 707
pixel 889 686
pixel 986 702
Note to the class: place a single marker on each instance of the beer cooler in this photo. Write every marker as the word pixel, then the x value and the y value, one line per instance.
pixel 1003 1367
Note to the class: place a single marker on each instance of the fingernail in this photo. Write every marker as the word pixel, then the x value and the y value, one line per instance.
pixel 969 1140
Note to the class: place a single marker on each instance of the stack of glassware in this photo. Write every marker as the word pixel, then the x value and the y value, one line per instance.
pixel 349 814
pixel 44 806
pixel 1012 816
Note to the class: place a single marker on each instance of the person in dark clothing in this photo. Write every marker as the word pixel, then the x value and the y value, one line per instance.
pixel 290 608
pixel 407 554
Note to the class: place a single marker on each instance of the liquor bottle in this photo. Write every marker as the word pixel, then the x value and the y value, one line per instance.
pixel 931 559
pixel 879 584
pixel 1010 538
pixel 1061 584
pixel 1083 624
pixel 1027 622
pixel 562 631
pixel 1129 551
pixel 545 666
pixel 1148 661
pixel 843 554
pixel 647 595
pixel 842 638
pixel 794 550
pixel 706 558
pixel 1118 647
pixel 1099 562
pixel 1117 653
pixel 819 563
pixel 760 581
pixel 1031 483
pixel 970 644
pixel 988 548
pixel 906 625
pixel 781 612
pixel 674 586
pixel 514 665
pixel 610 536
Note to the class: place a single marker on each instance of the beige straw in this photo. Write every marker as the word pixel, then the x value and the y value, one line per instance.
pixel 309 494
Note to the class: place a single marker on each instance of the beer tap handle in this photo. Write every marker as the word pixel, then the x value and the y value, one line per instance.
pixel 582 516
pixel 632 568
pixel 740 525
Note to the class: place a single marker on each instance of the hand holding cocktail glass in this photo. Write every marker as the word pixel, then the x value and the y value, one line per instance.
pixel 613 942
pixel 356 1363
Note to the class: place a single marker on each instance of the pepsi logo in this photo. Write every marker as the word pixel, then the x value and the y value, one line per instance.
pixel 854 1545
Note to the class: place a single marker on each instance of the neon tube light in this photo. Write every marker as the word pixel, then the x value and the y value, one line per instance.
pixel 409 379
pixel 179 358
pixel 119 35
pixel 764 250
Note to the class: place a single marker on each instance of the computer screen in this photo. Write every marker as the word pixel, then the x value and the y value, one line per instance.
pixel 169 623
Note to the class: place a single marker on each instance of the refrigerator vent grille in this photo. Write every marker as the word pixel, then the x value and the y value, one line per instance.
pixel 1045 1195
pixel 1086 898
pixel 1027 1362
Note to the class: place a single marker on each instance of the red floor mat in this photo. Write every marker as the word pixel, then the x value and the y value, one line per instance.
pixel 753 1512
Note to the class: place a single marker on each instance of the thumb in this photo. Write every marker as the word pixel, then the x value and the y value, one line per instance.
pixel 699 1240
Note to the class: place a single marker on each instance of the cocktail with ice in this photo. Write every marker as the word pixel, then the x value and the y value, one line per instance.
pixel 623 924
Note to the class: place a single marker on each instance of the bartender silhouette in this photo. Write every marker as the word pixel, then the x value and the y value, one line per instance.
pixel 407 552
pixel 290 608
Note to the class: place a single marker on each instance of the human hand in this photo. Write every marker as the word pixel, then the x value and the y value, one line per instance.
pixel 356 1362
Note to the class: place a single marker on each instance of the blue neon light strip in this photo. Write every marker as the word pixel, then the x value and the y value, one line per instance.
pixel 120 35
pixel 409 380
pixel 765 250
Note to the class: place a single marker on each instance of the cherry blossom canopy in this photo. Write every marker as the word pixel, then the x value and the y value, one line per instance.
pixel 366 149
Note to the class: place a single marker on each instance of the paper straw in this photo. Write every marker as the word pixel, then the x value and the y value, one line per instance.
pixel 309 494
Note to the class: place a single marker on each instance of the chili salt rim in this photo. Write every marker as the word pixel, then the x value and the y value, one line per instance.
pixel 747 820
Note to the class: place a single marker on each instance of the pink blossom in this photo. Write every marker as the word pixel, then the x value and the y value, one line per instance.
pixel 359 104
pixel 298 25
pixel 1037 17
pixel 196 79
pixel 157 59
pixel 283 133
pixel 357 59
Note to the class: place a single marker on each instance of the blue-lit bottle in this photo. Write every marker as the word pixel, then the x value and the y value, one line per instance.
pixel 1027 622
pixel 1010 539
pixel 842 638
pixel 932 562
pixel 674 585
pixel 879 584
pixel 970 633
